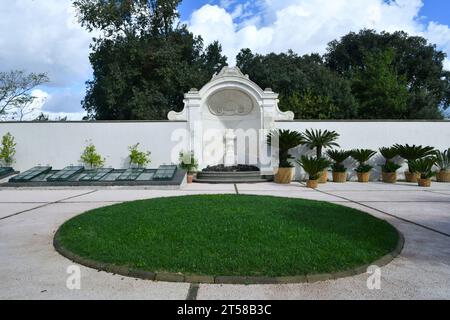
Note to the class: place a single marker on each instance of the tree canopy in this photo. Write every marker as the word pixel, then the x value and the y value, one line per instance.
pixel 306 86
pixel 143 63
pixel 419 63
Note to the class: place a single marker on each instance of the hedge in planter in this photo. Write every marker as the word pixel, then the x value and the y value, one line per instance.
pixel 314 168
pixel 389 168
pixel 319 140
pixel 339 170
pixel 412 153
pixel 443 164
pixel 284 140
pixel 362 156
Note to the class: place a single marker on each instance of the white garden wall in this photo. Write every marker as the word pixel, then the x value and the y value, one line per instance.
pixel 376 134
pixel 61 143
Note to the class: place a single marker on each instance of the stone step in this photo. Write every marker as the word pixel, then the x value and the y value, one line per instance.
pixel 255 174
pixel 241 180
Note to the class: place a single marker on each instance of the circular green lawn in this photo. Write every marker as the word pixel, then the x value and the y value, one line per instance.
pixel 230 235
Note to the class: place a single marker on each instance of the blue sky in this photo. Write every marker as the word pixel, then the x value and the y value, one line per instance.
pixel 433 10
pixel 48 38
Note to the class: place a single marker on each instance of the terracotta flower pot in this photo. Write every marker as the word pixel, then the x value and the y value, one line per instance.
pixel 339 177
pixel 190 178
pixel 389 177
pixel 412 176
pixel 443 176
pixel 284 175
pixel 425 183
pixel 363 177
pixel 324 177
pixel 313 184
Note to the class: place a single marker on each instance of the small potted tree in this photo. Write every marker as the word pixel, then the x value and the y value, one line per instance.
pixel 412 153
pixel 443 163
pixel 314 168
pixel 425 167
pixel 189 164
pixel 91 158
pixel 284 140
pixel 8 150
pixel 362 156
pixel 138 158
pixel 339 170
pixel 319 140
pixel 389 168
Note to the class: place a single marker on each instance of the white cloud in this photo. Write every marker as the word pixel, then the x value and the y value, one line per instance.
pixel 45 36
pixel 307 26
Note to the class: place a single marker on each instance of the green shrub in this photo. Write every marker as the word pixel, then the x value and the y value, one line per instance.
pixel 411 153
pixel 389 153
pixel 363 168
pixel 362 156
pixel 313 166
pixel 138 158
pixel 319 139
pixel 338 156
pixel 424 166
pixel 188 162
pixel 91 158
pixel 443 160
pixel 287 140
pixel 390 167
pixel 8 149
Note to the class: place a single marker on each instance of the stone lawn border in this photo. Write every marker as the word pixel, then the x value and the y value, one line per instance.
pixel 247 280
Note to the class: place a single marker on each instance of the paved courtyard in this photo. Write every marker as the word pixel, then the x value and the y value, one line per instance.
pixel 31 269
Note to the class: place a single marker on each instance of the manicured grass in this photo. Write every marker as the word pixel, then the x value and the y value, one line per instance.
pixel 229 235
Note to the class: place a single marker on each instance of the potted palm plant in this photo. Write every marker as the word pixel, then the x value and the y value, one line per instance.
pixel 443 163
pixel 362 156
pixel 425 167
pixel 389 168
pixel 319 140
pixel 314 168
pixel 189 164
pixel 412 153
pixel 284 140
pixel 339 170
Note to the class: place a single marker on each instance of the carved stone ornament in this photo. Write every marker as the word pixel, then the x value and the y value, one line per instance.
pixel 230 102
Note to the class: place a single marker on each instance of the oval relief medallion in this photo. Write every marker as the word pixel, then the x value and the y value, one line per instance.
pixel 230 103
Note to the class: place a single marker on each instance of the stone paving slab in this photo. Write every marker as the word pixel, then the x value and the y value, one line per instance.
pixel 390 196
pixel 38 195
pixel 31 269
pixel 435 215
pixel 295 194
pixel 7 209
pixel 130 195
pixel 380 186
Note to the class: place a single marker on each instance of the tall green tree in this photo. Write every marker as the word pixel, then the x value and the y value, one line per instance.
pixel 381 92
pixel 419 62
pixel 142 62
pixel 306 86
